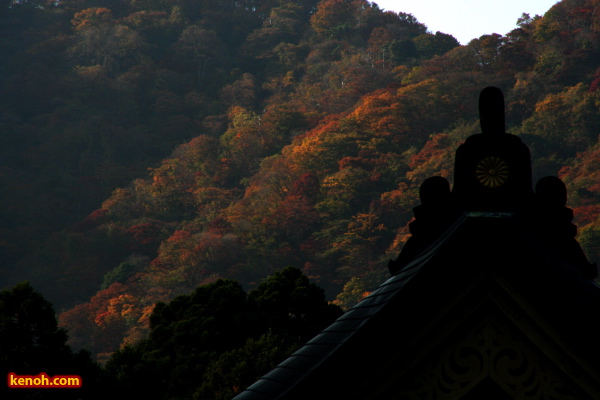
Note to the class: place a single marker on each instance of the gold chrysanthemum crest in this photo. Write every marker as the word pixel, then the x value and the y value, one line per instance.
pixel 492 172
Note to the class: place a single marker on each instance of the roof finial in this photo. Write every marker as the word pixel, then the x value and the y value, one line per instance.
pixel 491 110
pixel 492 171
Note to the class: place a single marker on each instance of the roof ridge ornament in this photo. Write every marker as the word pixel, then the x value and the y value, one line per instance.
pixel 492 169
pixel 491 111
pixel 493 179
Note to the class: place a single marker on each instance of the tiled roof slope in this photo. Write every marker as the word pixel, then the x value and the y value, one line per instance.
pixel 480 251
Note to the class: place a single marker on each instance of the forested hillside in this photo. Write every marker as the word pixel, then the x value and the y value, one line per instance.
pixel 149 147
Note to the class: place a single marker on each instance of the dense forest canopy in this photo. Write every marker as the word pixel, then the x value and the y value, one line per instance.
pixel 149 147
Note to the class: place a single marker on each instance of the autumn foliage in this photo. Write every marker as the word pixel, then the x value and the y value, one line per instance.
pixel 150 147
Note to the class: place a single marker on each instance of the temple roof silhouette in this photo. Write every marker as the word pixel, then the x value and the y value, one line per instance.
pixel 491 297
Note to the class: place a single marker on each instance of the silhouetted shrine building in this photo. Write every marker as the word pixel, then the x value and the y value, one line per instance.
pixel 491 297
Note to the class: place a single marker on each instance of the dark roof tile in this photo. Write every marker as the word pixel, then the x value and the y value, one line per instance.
pixel 251 394
pixel 300 363
pixel 282 374
pixel 268 387
pixel 316 349
pixel 346 325
pixel 330 337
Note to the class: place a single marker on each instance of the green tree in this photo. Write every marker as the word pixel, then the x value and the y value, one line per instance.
pixel 102 42
pixel 589 238
pixel 353 292
pixel 203 48
pixel 237 369
pixel 292 306
pixel 217 340
pixel 119 274
pixel 32 343
pixel 334 18
pixel 429 45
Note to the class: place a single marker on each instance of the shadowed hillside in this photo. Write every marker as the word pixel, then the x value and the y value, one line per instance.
pixel 151 147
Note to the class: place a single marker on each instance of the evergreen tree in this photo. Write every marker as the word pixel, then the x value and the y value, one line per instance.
pixel 218 340
pixel 31 343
